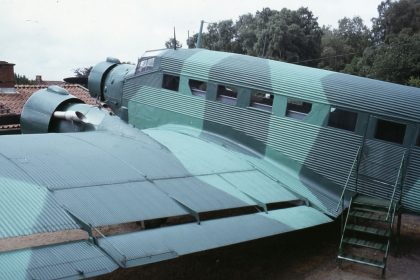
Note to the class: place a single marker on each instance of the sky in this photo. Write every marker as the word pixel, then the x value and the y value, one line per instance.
pixel 53 37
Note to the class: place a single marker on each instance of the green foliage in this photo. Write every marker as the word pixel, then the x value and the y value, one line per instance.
pixel 23 80
pixel 340 45
pixel 398 60
pixel 390 51
pixel 171 43
pixel 281 35
pixel 414 81
pixel 191 41
pixel 82 72
pixel 394 54
pixel 394 17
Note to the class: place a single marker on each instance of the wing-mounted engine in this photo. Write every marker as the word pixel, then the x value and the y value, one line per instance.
pixel 55 110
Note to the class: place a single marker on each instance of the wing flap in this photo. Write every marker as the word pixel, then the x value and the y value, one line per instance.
pixel 149 245
pixel 66 261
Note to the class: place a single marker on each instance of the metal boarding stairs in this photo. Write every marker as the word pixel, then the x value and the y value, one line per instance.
pixel 367 231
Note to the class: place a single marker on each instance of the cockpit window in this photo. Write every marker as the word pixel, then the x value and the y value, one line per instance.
pixel 145 65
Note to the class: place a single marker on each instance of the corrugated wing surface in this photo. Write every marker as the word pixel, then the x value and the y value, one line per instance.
pixel 60 161
pixel 148 246
pixel 197 195
pixel 142 154
pixel 119 203
pixel 198 156
pixel 259 186
pixel 75 260
pixel 279 176
pixel 25 208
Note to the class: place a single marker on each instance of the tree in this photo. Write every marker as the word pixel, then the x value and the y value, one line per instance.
pixel 394 17
pixel 354 33
pixel 288 35
pixel 246 34
pixel 171 43
pixel 395 53
pixel 341 45
pixel 82 72
pixel 399 60
pixel 23 80
pixel 280 35
pixel 191 41
pixel 221 36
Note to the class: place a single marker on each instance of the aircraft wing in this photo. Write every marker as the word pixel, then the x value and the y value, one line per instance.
pixel 77 205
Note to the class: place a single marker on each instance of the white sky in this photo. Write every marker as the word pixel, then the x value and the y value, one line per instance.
pixel 53 37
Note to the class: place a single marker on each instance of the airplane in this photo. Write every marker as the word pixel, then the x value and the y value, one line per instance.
pixel 193 149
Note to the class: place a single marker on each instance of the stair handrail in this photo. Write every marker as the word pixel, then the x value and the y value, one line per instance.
pixel 348 179
pixel 395 185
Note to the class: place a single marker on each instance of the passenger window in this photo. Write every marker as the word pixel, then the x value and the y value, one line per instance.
pixel 262 100
pixel 170 82
pixel 342 119
pixel 198 88
pixel 227 95
pixel 418 140
pixel 297 109
pixel 145 64
pixel 390 131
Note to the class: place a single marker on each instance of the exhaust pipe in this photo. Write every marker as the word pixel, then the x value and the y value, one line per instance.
pixel 70 116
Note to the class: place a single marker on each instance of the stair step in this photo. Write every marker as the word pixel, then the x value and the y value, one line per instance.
pixel 369 215
pixel 370 230
pixel 369 209
pixel 365 243
pixel 362 260
pixel 372 201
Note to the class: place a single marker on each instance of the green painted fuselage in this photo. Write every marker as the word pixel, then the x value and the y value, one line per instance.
pixel 283 112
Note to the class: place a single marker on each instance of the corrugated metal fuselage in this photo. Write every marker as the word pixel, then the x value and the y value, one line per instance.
pixel 321 155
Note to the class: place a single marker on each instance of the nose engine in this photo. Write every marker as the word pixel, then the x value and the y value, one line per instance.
pixel 106 81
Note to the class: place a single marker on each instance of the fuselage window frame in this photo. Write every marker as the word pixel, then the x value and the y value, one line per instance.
pixel 342 119
pixel 262 101
pixel 390 131
pixel 227 95
pixel 197 87
pixel 297 109
pixel 170 82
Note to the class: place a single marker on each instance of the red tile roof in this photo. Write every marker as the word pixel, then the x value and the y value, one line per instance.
pixel 15 102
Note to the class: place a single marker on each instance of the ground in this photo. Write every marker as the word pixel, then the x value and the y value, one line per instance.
pixel 307 254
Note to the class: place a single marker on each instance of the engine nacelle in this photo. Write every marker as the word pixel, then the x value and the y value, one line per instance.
pixel 106 81
pixel 55 110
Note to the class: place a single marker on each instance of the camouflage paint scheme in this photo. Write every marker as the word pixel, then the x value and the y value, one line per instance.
pixel 189 155
pixel 319 155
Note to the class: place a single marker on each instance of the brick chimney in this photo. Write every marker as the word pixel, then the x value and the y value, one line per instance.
pixel 38 79
pixel 7 77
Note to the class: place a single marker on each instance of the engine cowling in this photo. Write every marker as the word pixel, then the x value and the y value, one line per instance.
pixel 106 81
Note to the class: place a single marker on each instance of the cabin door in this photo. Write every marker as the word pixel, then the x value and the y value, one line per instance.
pixel 381 159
